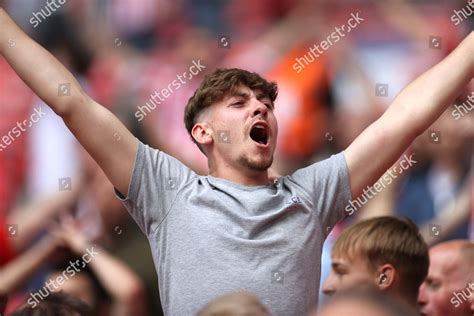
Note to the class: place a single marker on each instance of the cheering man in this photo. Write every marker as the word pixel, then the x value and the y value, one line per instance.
pixel 234 230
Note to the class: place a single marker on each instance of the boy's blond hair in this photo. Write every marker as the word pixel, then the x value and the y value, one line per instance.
pixel 386 239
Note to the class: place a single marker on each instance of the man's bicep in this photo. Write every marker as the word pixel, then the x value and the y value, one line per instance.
pixel 106 139
pixel 375 150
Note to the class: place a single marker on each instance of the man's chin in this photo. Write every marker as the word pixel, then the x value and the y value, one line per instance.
pixel 260 165
pixel 424 313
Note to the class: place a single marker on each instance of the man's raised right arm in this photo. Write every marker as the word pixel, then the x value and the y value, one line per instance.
pixel 104 137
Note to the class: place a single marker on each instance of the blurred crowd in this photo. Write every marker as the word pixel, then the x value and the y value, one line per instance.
pixel 56 203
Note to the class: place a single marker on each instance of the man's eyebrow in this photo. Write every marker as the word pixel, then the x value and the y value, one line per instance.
pixel 433 279
pixel 245 95
pixel 259 95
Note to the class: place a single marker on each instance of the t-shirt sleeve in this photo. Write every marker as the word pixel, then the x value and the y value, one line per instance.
pixel 328 187
pixel 156 181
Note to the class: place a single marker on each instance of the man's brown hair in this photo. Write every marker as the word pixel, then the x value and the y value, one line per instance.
pixel 218 85
pixel 392 240
pixel 235 304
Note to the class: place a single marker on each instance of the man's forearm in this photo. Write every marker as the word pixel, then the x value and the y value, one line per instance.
pixel 40 70
pixel 426 98
pixel 417 107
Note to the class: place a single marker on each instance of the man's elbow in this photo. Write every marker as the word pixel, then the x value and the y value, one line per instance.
pixel 66 105
pixel 69 108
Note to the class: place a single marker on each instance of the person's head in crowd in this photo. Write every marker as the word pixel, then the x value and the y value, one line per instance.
pixel 385 252
pixel 55 304
pixel 80 283
pixel 450 281
pixel 234 106
pixel 363 301
pixel 235 304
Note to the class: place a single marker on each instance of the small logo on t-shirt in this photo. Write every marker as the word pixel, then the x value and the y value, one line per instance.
pixel 295 200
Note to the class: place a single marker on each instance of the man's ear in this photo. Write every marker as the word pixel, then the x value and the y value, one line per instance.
pixel 385 276
pixel 202 133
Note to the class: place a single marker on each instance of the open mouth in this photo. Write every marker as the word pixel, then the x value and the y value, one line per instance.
pixel 259 133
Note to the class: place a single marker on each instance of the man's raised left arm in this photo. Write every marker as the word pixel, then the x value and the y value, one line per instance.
pixel 417 107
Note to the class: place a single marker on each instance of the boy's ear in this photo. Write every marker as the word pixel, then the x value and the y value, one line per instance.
pixel 202 133
pixel 385 276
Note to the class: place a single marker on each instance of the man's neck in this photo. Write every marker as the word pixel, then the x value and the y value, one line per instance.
pixel 242 177
pixel 402 297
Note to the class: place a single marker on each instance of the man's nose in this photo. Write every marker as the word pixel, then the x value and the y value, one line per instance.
pixel 259 109
pixel 422 295
pixel 328 288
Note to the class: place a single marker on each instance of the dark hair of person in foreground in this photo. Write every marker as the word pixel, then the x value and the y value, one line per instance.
pixel 56 304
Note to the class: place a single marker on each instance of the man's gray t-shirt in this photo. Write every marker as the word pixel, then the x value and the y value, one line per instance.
pixel 210 236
